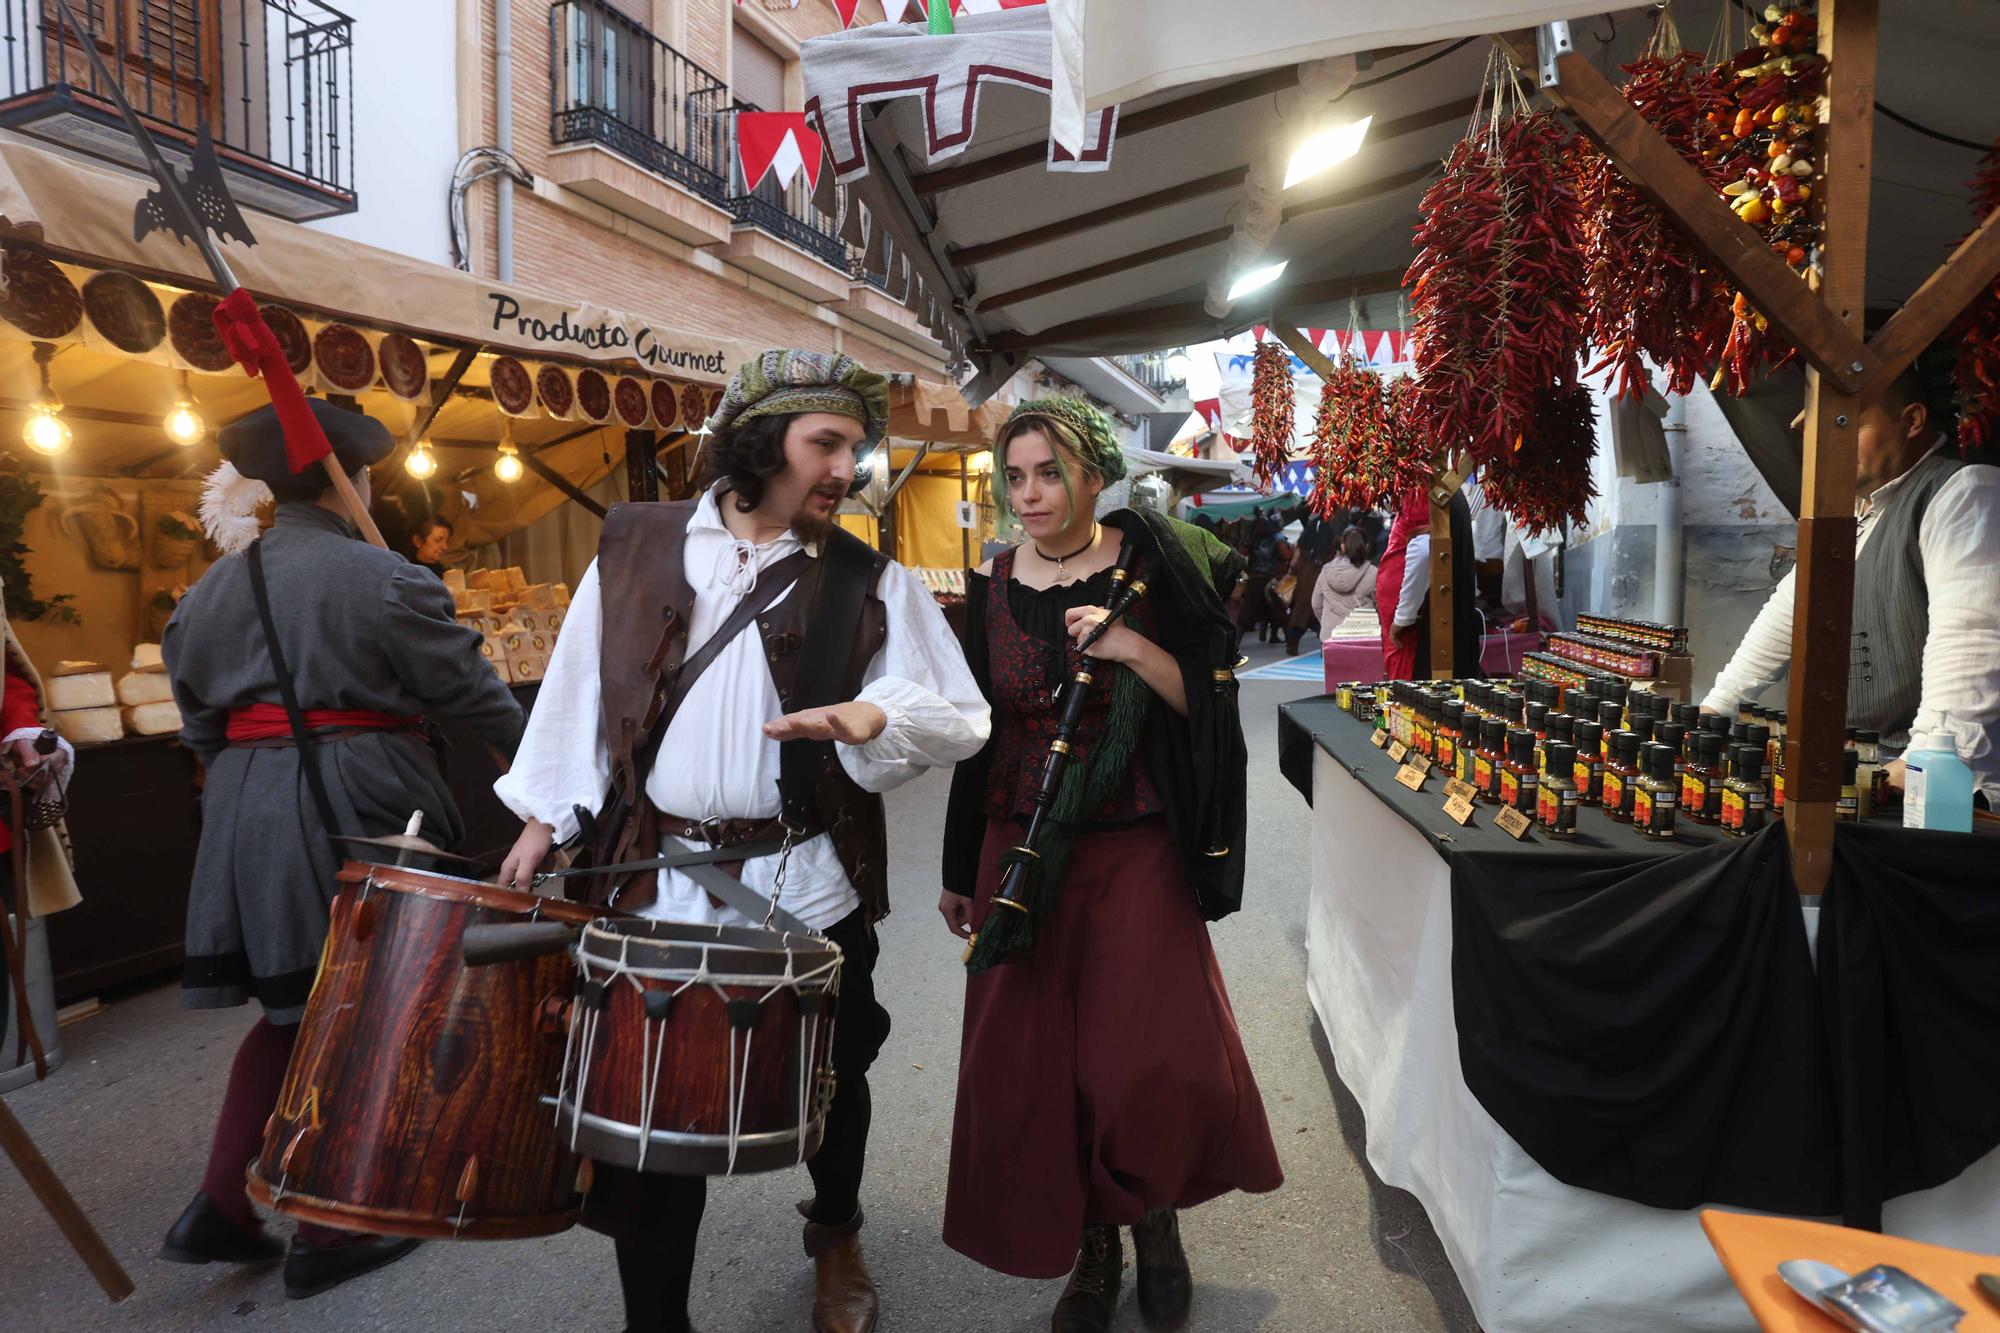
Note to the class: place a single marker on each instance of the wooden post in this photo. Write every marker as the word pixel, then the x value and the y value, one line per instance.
pixel 642 482
pixel 70 1219
pixel 964 497
pixel 1444 622
pixel 1823 599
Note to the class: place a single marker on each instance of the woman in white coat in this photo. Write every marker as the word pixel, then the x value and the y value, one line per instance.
pixel 1346 582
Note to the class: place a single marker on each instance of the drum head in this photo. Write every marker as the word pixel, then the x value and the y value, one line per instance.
pixel 684 946
pixel 471 892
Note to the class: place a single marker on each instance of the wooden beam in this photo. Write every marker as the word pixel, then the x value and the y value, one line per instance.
pixel 441 389
pixel 1202 240
pixel 1943 297
pixel 1302 348
pixel 559 481
pixel 1655 168
pixel 1823 596
pixel 1123 211
pixel 1148 319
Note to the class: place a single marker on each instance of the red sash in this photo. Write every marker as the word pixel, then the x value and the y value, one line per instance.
pixel 262 722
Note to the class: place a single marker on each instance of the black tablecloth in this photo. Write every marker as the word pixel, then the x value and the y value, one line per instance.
pixel 1644 1019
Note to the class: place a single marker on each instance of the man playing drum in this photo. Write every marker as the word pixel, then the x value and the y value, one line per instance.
pixel 366 647
pixel 740 751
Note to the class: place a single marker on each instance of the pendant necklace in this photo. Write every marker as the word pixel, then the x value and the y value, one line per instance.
pixel 1062 574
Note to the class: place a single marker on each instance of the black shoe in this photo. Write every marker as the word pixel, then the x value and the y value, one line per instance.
pixel 204 1235
pixel 1166 1288
pixel 1091 1298
pixel 311 1269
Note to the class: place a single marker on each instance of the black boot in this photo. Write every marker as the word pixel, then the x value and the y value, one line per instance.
pixel 312 1269
pixel 1161 1270
pixel 204 1235
pixel 1091 1298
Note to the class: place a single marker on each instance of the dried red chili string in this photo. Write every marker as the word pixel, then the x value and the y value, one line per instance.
pixel 1546 483
pixel 1271 412
pixel 1976 375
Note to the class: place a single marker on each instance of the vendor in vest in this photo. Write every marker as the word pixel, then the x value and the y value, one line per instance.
pixel 782 457
pixel 1926 655
pixel 367 646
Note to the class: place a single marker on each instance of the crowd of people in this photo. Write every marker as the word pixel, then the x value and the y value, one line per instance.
pixel 1310 579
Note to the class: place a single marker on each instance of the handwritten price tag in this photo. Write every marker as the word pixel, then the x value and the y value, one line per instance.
pixel 1412 775
pixel 1455 789
pixel 1397 750
pixel 1513 823
pixel 1459 809
pixel 1379 739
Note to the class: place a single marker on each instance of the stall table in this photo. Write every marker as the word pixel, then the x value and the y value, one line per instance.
pixel 1358 656
pixel 1396 883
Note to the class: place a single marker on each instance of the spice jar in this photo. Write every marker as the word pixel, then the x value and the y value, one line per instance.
pixel 1657 793
pixel 1701 781
pixel 1560 727
pixel 1588 772
pixel 1610 721
pixel 1744 799
pixel 1744 709
pixel 1673 735
pixel 1518 779
pixel 1848 805
pixel 1422 713
pixel 1486 763
pixel 1621 777
pixel 1870 777
pixel 1451 725
pixel 1557 800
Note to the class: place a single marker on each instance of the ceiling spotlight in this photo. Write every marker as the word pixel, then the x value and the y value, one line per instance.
pixel 1325 150
pixel 422 463
pixel 1257 277
pixel 508 466
pixel 46 432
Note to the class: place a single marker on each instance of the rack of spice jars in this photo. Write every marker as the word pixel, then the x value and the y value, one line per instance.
pixel 1637 650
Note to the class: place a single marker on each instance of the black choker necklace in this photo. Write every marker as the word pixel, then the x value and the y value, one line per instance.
pixel 1062 574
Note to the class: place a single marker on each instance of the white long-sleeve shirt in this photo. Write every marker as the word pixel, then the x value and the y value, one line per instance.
pixel 1959 543
pixel 1416 581
pixel 715 760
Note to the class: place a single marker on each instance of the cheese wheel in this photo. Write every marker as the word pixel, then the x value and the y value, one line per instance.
pixel 87 691
pixel 154 719
pixel 89 726
pixel 145 687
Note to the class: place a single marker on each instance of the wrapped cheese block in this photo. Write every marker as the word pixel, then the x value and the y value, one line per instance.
pixel 89 726
pixel 480 579
pixel 90 690
pixel 155 719
pixel 532 619
pixel 540 644
pixel 539 595
pixel 562 594
pixel 146 657
pixel 514 638
pixel 528 668
pixel 517 578
pixel 145 687
pixel 454 579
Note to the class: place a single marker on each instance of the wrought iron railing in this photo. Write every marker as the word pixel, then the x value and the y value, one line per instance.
pixel 272 79
pixel 1159 371
pixel 857 269
pixel 611 81
pixel 785 212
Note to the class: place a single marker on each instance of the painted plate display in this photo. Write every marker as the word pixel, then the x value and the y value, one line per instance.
pixel 628 396
pixel 557 395
pixel 593 395
pixel 714 403
pixel 191 325
pixel 694 407
pixel 666 404
pixel 345 360
pixel 290 331
pixel 125 311
pixel 40 300
pixel 513 387
pixel 405 368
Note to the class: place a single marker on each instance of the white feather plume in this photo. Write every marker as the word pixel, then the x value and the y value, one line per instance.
pixel 229 502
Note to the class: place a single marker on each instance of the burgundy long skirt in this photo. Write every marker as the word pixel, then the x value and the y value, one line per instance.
pixel 1101 1074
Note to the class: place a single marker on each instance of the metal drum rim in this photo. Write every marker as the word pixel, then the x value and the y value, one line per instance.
pixel 616 1142
pixel 600 943
pixel 469 893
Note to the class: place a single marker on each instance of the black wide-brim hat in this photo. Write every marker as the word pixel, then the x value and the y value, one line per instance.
pixel 256 445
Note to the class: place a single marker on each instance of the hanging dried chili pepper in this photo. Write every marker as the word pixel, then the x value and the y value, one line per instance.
pixel 1976 376
pixel 1546 483
pixel 1271 412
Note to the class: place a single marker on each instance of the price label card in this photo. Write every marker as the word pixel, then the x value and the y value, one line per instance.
pixel 1465 790
pixel 1379 739
pixel 1397 750
pixel 1459 808
pixel 1513 823
pixel 1412 775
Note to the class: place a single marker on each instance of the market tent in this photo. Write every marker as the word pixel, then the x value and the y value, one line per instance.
pixel 945 140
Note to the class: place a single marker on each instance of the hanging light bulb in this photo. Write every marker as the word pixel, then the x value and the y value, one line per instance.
pixel 183 424
pixel 422 463
pixel 508 466
pixel 46 431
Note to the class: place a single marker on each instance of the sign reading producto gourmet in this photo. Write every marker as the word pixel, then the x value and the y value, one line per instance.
pixel 526 323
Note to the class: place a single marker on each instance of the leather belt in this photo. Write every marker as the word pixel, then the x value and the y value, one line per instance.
pixel 729 832
pixel 337 734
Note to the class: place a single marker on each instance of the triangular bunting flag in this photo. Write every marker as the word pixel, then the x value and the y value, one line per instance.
pixel 846 10
pixel 1315 336
pixel 777 143
pixel 1259 330
pixel 1372 340
pixel 1340 340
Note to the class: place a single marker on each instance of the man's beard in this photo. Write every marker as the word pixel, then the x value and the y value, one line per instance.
pixel 808 524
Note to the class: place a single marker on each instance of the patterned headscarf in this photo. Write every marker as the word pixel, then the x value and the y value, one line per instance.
pixel 781 382
pixel 1082 427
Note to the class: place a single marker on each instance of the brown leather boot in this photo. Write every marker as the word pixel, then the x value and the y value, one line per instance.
pixel 844 1299
pixel 1166 1289
pixel 1091 1298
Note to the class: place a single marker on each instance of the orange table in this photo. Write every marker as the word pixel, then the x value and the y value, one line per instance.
pixel 1751 1248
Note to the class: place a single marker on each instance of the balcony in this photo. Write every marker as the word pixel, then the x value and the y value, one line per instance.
pixel 1164 371
pixel 639 127
pixel 272 79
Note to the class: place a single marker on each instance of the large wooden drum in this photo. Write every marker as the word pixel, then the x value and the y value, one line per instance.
pixel 699 1050
pixel 414 1104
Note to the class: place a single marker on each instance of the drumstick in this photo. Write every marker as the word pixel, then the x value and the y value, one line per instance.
pixel 76 1227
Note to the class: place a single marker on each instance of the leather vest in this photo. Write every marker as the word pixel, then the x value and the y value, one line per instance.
pixel 648 606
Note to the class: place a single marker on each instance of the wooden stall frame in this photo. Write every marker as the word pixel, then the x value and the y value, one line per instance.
pixel 1826 327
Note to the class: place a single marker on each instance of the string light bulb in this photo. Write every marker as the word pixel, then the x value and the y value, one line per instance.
pixel 422 463
pixel 45 431
pixel 183 424
pixel 508 466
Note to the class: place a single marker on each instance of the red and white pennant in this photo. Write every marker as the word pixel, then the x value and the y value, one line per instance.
pixel 778 143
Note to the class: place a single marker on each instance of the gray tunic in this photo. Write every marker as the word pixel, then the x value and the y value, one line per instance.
pixel 361 629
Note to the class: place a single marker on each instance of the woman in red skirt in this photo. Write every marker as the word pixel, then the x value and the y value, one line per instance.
pixel 1102 1082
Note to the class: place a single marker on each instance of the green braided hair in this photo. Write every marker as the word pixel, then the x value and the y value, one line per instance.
pixel 1080 436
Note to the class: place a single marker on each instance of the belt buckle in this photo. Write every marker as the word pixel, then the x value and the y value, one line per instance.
pixel 714 838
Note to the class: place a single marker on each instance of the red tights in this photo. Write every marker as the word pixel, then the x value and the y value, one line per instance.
pixel 254 1080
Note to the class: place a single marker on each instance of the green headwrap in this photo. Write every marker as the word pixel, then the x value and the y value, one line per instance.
pixel 783 382
pixel 1082 427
